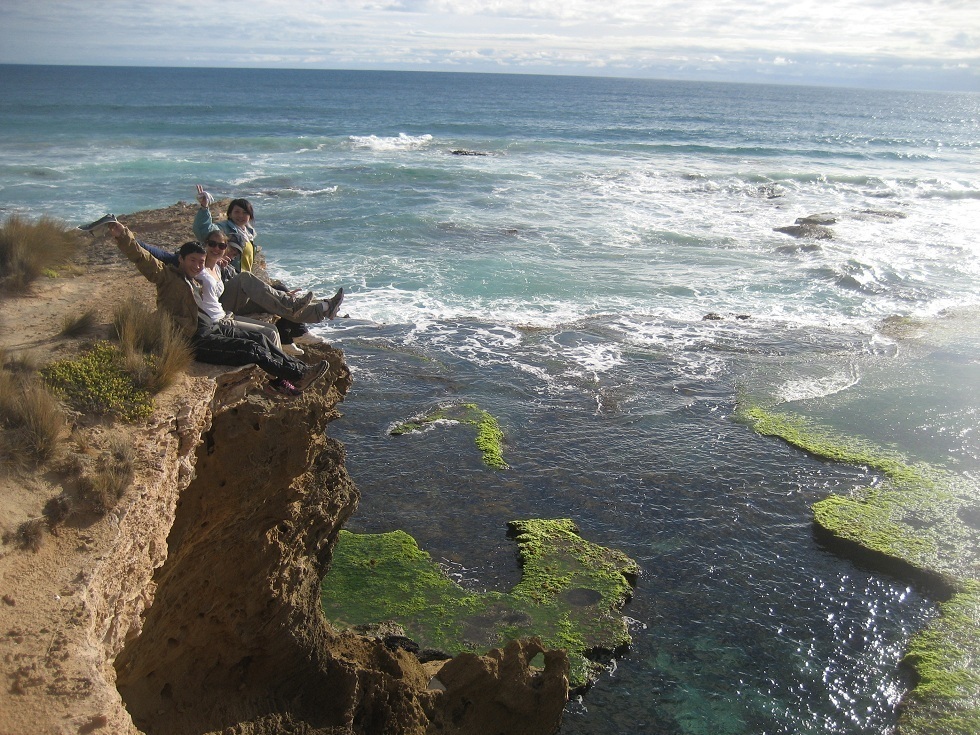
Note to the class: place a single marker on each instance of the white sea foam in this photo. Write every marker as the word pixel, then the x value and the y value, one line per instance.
pixel 400 142
pixel 818 386
pixel 596 358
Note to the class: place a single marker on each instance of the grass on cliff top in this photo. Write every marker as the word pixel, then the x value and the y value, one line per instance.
pixel 109 379
pixel 569 596
pixel 155 351
pixel 97 382
pixel 489 437
pixel 928 519
pixel 29 250
pixel 32 422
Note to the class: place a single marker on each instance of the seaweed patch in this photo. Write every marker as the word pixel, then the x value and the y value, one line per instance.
pixel 570 595
pixel 920 519
pixel 489 436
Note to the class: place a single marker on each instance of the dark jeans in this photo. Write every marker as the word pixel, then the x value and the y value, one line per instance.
pixel 227 345
pixel 290 330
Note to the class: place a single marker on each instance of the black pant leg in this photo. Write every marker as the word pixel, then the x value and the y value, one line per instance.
pixel 227 345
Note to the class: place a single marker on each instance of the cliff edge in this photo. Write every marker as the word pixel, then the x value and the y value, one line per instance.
pixel 193 605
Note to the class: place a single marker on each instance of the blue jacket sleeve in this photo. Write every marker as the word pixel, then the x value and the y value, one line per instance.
pixel 165 256
pixel 202 224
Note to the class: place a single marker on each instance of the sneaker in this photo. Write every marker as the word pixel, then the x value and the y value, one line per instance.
pixel 332 305
pixel 281 388
pixel 312 374
pixel 293 349
pixel 100 226
pixel 302 302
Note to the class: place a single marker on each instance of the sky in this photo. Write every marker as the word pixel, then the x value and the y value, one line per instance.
pixel 891 44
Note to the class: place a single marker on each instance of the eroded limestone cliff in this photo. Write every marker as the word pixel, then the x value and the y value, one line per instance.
pixel 235 637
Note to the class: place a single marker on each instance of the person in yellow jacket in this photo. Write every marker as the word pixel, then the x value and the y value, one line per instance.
pixel 239 227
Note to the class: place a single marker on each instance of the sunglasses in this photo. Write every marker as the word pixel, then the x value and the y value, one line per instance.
pixel 217 244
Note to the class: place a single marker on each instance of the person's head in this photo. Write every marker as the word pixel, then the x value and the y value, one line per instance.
pixel 240 212
pixel 235 246
pixel 216 242
pixel 190 259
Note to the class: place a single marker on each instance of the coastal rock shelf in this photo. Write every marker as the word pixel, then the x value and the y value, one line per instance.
pixel 921 523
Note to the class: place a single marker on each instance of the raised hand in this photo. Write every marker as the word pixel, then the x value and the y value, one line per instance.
pixel 203 197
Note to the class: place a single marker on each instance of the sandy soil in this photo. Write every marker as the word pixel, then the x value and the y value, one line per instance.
pixel 41 590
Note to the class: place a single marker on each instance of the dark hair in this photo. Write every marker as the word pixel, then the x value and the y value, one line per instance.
pixel 191 247
pixel 244 204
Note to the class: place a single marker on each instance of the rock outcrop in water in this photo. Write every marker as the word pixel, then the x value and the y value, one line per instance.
pixel 920 523
pixel 807 231
pixel 193 605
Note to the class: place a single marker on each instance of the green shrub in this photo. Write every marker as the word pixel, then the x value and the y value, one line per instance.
pixel 96 382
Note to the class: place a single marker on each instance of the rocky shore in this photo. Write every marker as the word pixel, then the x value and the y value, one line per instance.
pixel 193 605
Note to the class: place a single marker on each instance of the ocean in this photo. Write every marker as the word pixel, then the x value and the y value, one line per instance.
pixel 548 248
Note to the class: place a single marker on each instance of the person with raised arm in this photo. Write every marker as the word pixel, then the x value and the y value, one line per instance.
pixel 239 226
pixel 179 294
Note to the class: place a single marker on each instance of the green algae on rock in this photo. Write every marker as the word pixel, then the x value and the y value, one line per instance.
pixel 825 444
pixel 569 596
pixel 919 521
pixel 489 437
pixel 944 658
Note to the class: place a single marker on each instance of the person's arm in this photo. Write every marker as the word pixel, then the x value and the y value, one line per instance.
pixel 202 224
pixel 167 257
pixel 150 267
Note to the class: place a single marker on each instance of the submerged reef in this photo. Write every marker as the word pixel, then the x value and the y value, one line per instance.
pixel 569 596
pixel 920 522
pixel 489 437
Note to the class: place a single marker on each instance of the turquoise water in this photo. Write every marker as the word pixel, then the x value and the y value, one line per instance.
pixel 559 281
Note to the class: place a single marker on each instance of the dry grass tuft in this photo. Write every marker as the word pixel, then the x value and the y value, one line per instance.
pixel 103 483
pixel 174 358
pixel 28 249
pixel 154 349
pixel 43 422
pixel 82 441
pixel 56 511
pixel 20 362
pixel 28 536
pixel 32 418
pixel 75 325
pixel 137 326
pixel 9 394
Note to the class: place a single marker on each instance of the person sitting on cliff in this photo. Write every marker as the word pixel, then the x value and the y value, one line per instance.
pixel 179 294
pixel 239 226
pixel 245 293
pixel 212 287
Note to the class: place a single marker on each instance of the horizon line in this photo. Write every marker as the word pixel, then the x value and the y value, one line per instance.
pixel 569 74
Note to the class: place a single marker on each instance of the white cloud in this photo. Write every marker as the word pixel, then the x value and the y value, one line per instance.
pixel 627 37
